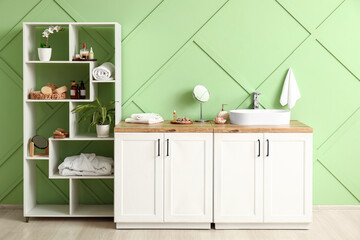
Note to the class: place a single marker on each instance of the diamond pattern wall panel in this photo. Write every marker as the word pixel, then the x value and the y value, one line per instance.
pixel 233 47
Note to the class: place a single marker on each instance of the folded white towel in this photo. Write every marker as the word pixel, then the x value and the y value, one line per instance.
pixel 290 92
pixel 86 164
pixel 106 71
pixel 144 116
pixel 148 121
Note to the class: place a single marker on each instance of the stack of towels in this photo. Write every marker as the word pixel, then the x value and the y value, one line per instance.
pixel 148 118
pixel 86 164
pixel 104 72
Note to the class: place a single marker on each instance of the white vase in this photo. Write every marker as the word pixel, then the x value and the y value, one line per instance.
pixel 102 130
pixel 44 54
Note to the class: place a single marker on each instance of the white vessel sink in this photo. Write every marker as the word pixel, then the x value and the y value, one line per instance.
pixel 259 117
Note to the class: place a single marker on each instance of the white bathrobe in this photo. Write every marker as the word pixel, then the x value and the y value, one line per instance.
pixel 86 164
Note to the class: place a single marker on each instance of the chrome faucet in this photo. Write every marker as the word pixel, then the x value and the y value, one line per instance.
pixel 256 101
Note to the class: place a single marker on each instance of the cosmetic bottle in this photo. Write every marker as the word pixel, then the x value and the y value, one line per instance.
pixel 174 115
pixel 223 114
pixel 73 90
pixel 82 90
pixel 91 54
pixel 84 52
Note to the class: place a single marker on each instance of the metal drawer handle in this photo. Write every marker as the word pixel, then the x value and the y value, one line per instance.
pixel 259 147
pixel 268 147
pixel 167 147
pixel 158 147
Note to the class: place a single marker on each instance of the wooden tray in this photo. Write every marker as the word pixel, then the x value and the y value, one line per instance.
pixel 176 122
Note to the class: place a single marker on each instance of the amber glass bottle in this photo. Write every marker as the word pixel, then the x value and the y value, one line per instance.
pixel 74 91
pixel 82 90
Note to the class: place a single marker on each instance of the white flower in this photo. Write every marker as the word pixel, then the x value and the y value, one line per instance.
pixel 46 33
pixel 51 29
pixel 57 28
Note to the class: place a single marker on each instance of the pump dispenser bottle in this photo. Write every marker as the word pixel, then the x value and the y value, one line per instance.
pixel 223 114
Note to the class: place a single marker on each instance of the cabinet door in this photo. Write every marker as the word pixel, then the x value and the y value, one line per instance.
pixel 238 177
pixel 287 177
pixel 188 177
pixel 138 177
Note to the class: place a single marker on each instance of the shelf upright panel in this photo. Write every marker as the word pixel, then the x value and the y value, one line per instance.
pixel 29 119
pixel 54 156
pixel 73 195
pixel 93 91
pixel 117 73
pixel 73 40
pixel 73 117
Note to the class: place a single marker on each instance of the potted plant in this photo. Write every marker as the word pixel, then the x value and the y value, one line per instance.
pixel 44 51
pixel 97 114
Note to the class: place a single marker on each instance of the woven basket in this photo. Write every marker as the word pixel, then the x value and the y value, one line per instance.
pixel 41 96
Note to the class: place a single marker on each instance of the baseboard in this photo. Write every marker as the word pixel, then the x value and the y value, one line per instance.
pixel 259 226
pixel 11 206
pixel 335 207
pixel 163 225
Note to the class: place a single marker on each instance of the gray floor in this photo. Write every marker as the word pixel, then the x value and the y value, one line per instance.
pixel 328 224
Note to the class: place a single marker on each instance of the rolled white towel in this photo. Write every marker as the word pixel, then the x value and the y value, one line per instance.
pixel 105 71
pixel 145 116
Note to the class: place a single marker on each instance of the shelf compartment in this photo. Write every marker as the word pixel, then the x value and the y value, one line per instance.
pixel 61 74
pixel 84 210
pixel 43 210
pixel 32 35
pixel 56 157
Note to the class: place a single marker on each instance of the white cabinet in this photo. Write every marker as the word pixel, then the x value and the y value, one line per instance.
pixel 287 177
pixel 262 180
pixel 163 178
pixel 238 185
pixel 138 177
pixel 188 177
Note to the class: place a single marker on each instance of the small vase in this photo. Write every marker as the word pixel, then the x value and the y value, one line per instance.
pixel 102 130
pixel 44 54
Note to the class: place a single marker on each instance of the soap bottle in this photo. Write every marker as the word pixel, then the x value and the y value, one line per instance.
pixel 84 52
pixel 91 54
pixel 73 90
pixel 82 90
pixel 174 116
pixel 223 114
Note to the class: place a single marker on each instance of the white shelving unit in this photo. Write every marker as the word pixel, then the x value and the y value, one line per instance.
pixel 74 208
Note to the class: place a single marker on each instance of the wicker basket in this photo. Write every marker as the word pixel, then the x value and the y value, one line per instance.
pixel 41 96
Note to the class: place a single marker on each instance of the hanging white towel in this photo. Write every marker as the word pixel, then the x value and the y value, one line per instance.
pixel 106 71
pixel 290 92
pixel 86 165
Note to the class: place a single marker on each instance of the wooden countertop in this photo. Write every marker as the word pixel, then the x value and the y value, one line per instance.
pixel 210 127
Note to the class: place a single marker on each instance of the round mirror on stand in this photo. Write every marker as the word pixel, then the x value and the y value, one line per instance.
pixel 38 142
pixel 202 94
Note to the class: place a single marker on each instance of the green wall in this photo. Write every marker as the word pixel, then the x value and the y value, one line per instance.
pixel 233 47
